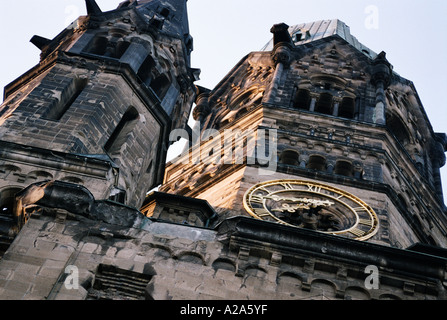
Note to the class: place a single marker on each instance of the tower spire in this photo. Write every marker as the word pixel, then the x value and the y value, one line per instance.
pixel 40 42
pixel 93 8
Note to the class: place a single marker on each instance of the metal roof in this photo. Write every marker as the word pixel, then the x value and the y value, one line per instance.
pixel 308 32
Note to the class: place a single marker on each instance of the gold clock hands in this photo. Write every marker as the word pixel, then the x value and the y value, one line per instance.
pixel 287 207
pixel 305 201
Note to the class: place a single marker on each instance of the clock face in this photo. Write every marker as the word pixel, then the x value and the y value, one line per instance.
pixel 310 205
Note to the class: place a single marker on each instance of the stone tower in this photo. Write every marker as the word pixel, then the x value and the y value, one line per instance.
pixel 318 106
pixel 98 108
pixel 313 171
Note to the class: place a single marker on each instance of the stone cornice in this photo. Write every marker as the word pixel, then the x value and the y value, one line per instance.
pixel 242 231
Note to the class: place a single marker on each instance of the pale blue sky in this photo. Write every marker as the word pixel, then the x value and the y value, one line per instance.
pixel 412 33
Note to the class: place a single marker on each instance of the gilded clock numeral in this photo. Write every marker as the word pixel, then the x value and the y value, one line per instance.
pixel 287 186
pixel 366 222
pixel 262 212
pixel 263 189
pixel 357 232
pixel 256 199
pixel 314 188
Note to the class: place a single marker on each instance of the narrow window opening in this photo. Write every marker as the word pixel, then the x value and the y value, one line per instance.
pixel 302 99
pixel 301 35
pixel 316 162
pixel 289 157
pixel 344 168
pixel 347 108
pixel 324 104
pixel 122 131
pixel 298 36
pixel 165 12
pixel 67 98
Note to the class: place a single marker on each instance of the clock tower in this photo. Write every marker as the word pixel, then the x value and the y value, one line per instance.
pixel 317 131
pixel 97 110
pixel 312 171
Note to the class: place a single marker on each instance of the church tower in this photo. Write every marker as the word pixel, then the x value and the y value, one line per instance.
pixel 312 171
pixel 97 110
pixel 317 131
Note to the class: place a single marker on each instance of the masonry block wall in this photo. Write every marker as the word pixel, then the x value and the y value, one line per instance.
pixel 137 258
pixel 106 89
pixel 84 134
pixel 330 101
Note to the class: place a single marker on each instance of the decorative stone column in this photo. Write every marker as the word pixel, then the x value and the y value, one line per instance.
pixel 202 108
pixel 381 79
pixel 337 101
pixel 281 56
pixel 200 112
pixel 314 98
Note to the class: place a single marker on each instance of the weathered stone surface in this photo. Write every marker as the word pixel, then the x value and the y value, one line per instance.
pixel 84 136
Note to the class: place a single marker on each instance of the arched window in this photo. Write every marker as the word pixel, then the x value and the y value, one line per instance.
pixel 344 168
pixel 122 131
pixel 301 99
pixel 398 128
pixel 347 108
pixel 324 104
pixel 7 199
pixel 316 162
pixel 289 157
pixel 68 96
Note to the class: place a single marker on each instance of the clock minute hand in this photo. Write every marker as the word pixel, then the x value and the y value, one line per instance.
pixel 302 201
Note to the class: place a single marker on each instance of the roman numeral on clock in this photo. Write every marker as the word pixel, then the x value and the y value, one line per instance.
pixel 261 212
pixel 314 188
pixel 357 232
pixel 263 189
pixel 256 199
pixel 366 222
pixel 287 186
